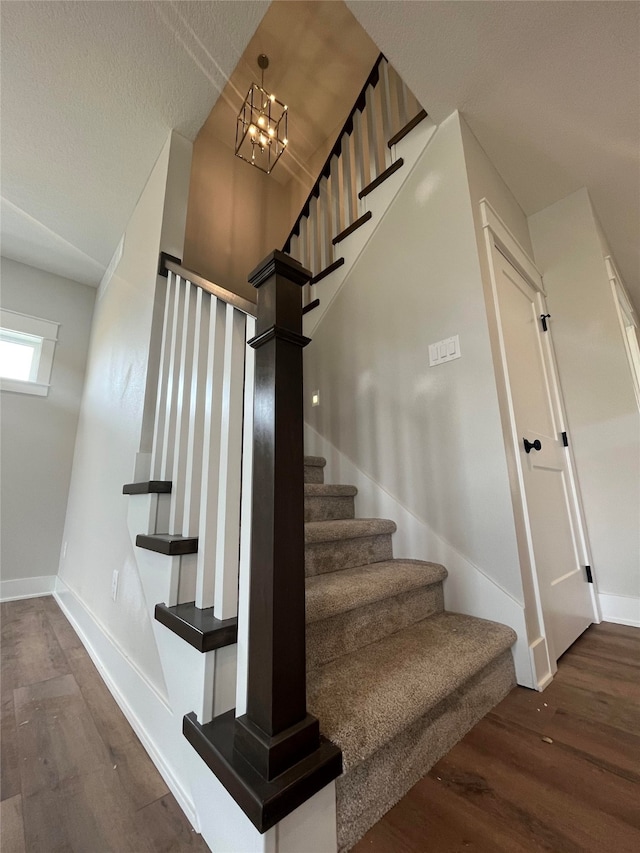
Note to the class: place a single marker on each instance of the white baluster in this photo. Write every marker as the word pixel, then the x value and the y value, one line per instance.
pixel 337 219
pixel 246 505
pixel 315 262
pixel 168 443
pixel 303 256
pixel 348 183
pixel 384 87
pixel 163 379
pixel 183 410
pixel 374 133
pixel 228 543
pixel 360 160
pixel 195 443
pixel 324 212
pixel 294 249
pixel 207 525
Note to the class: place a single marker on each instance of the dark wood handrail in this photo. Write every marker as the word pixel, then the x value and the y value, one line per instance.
pixel 359 105
pixel 216 290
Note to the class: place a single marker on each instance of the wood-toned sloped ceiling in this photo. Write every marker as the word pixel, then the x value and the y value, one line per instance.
pixel 319 58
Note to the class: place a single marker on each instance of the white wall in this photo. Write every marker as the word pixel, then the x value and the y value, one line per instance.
pixel 431 438
pixel 486 183
pixel 38 433
pixel 236 216
pixel 109 430
pixel 601 407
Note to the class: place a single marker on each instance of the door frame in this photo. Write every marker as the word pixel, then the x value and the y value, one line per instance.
pixel 496 233
pixel 627 318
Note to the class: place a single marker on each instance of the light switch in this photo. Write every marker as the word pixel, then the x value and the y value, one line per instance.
pixel 315 398
pixel 445 350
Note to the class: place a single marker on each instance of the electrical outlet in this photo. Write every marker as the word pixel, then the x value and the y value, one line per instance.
pixel 315 398
pixel 114 584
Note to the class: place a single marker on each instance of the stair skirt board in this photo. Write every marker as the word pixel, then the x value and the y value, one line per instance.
pixel 368 790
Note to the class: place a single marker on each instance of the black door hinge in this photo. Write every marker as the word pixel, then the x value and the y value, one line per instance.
pixel 589 575
pixel 543 320
pixel 565 439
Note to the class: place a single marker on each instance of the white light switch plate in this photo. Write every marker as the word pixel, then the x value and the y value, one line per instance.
pixel 445 350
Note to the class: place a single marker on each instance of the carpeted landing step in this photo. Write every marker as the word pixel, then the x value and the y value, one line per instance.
pixel 314 469
pixel 327 503
pixel 349 609
pixel 396 706
pixel 334 545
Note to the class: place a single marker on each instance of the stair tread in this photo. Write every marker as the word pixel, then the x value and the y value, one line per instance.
pixel 339 592
pixel 348 528
pixel 328 490
pixel 366 698
pixel 314 461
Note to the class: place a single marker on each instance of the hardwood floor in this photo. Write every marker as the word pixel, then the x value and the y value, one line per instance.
pixel 555 771
pixel 74 776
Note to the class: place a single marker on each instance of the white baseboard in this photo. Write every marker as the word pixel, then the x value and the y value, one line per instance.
pixel 10 590
pixel 622 609
pixel 147 713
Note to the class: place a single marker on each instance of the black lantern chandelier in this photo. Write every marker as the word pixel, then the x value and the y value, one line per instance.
pixel 261 128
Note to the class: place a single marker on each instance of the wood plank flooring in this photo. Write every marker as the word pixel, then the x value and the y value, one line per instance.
pixel 506 788
pixel 74 776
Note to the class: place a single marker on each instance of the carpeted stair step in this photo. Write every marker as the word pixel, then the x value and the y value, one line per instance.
pixel 314 469
pixel 349 609
pixel 396 706
pixel 326 503
pixel 334 545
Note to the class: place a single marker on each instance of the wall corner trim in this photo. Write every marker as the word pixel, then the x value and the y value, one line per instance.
pixel 508 244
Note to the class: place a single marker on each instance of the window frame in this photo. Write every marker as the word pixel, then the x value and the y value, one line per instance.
pixel 47 333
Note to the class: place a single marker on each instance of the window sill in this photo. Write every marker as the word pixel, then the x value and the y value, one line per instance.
pixel 20 387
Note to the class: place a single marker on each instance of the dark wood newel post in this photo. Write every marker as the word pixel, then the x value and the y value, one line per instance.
pixel 273 758
pixel 276 731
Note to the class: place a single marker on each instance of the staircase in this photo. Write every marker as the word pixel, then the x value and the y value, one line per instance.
pixel 394 679
pixel 237 573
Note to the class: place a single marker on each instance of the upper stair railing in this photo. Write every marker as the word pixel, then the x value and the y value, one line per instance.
pixel 363 156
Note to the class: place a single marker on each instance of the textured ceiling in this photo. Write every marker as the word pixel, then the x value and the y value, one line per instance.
pixel 90 91
pixel 550 89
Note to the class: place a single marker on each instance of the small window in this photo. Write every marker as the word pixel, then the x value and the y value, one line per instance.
pixel 26 353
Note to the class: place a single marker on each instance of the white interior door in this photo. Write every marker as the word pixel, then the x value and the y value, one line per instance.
pixel 552 514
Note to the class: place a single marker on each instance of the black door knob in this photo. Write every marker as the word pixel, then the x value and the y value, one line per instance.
pixel 532 445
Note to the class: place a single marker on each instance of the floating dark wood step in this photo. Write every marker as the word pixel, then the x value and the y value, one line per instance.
pixel 351 228
pixel 264 803
pixel 198 627
pixel 149 487
pixel 327 271
pixel 407 128
pixel 311 306
pixel 166 543
pixel 382 177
